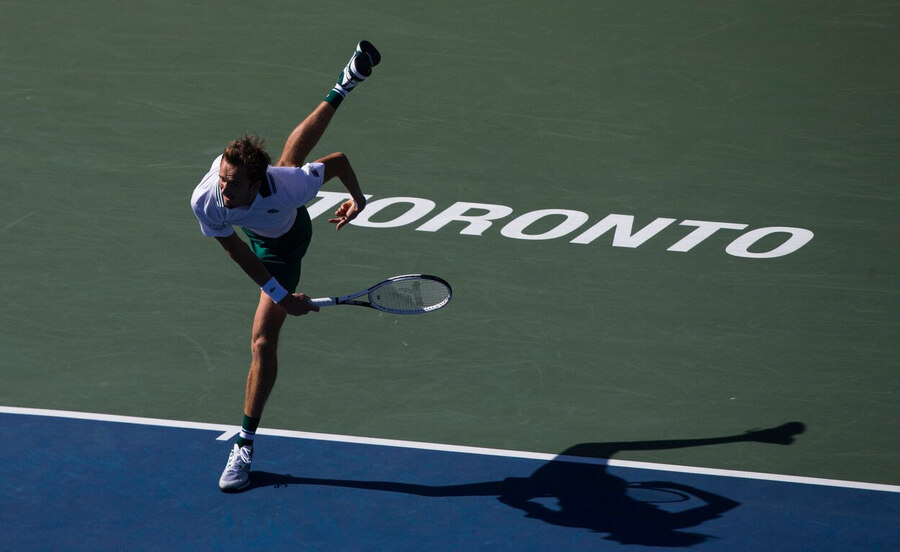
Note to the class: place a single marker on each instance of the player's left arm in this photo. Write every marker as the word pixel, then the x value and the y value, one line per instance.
pixel 338 166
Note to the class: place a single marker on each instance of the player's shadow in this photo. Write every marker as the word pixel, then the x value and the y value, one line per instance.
pixel 586 495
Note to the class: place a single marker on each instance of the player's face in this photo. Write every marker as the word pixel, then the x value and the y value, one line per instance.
pixel 235 185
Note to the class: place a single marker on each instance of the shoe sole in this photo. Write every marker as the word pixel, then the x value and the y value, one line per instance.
pixel 235 489
pixel 366 47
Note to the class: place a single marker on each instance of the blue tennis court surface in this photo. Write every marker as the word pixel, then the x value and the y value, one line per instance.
pixel 91 484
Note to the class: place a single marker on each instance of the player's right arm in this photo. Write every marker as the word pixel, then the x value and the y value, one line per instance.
pixel 296 304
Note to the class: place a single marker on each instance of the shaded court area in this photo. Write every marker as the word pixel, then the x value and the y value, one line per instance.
pixel 146 485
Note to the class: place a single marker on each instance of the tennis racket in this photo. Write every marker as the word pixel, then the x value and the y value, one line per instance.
pixel 407 294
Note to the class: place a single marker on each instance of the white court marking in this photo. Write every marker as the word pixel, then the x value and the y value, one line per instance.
pixel 227 432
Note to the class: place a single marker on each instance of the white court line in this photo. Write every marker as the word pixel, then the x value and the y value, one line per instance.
pixel 226 432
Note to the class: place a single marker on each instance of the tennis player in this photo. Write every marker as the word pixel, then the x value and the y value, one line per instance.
pixel 242 188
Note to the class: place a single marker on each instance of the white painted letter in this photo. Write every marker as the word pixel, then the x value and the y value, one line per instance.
pixel 798 238
pixel 477 224
pixel 704 230
pixel 516 227
pixel 623 236
pixel 420 208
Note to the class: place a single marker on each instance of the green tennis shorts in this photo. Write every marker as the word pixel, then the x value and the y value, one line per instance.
pixel 283 255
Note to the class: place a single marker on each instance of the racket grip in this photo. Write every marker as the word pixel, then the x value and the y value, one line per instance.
pixel 323 302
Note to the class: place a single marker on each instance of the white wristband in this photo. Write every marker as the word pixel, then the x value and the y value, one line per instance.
pixel 274 290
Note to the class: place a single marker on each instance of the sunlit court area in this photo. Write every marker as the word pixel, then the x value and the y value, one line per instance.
pixel 670 231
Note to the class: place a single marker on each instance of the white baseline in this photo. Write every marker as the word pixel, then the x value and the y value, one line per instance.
pixel 228 431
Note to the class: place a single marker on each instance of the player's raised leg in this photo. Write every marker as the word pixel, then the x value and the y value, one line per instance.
pixel 307 134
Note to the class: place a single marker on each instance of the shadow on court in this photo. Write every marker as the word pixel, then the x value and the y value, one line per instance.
pixel 586 495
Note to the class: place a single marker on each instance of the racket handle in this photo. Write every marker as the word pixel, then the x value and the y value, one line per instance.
pixel 323 302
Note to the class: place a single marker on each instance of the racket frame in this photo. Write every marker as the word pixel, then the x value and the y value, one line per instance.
pixel 353 299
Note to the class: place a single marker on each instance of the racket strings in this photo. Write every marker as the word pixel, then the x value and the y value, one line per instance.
pixel 410 295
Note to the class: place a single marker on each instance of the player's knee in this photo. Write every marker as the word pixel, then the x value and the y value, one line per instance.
pixel 263 346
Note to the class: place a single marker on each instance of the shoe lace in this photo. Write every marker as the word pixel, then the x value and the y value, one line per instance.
pixel 239 459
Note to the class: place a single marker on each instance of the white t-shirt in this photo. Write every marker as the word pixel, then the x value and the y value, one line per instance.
pixel 272 212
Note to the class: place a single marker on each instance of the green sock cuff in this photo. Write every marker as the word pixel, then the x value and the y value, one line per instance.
pixel 334 98
pixel 247 428
pixel 250 424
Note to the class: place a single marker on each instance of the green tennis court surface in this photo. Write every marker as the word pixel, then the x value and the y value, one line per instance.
pixel 659 221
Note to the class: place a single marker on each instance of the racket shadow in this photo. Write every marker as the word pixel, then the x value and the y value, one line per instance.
pixel 570 492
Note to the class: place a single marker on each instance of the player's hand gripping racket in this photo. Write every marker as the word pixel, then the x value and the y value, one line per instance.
pixel 408 294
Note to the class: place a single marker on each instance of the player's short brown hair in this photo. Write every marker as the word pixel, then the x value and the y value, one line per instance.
pixel 249 152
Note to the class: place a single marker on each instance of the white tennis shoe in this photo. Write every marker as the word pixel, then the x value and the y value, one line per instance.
pixel 237 471
pixel 365 57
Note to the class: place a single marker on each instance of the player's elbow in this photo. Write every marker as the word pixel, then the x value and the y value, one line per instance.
pixel 337 165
